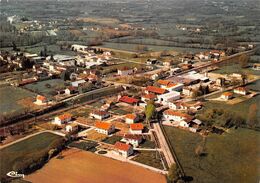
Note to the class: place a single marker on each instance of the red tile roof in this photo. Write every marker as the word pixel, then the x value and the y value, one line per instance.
pixel 137 126
pixel 227 94
pixel 99 112
pixel 154 89
pixel 149 96
pixel 163 82
pixel 128 100
pixel 65 116
pixel 177 113
pixel 103 125
pixel 131 116
pixel 40 97
pixel 122 146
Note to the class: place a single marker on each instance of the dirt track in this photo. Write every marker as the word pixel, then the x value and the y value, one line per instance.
pixel 81 166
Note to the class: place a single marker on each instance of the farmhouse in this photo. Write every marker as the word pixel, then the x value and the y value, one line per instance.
pixel 70 90
pixel 136 128
pixel 134 140
pixel 148 97
pixel 129 100
pixel 124 150
pixel 185 106
pixel 154 90
pixel 99 114
pixel 226 95
pixel 77 47
pixel 125 71
pixel 64 118
pixel 41 100
pixel 256 67
pixel 172 115
pixel 77 83
pixel 104 128
pixel 71 128
pixel 131 118
pixel 240 90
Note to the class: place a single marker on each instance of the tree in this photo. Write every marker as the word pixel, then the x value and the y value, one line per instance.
pixel 252 116
pixel 243 61
pixel 149 111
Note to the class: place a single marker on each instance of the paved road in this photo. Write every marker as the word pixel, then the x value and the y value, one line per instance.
pixel 164 146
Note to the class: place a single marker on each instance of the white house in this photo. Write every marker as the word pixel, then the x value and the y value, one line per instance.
pixel 125 71
pixel 134 140
pixel 99 114
pixel 41 100
pixel 73 127
pixel 64 118
pixel 136 128
pixel 70 90
pixel 172 115
pixel 148 97
pixel 240 90
pixel 122 149
pixel 77 83
pixel 226 95
pixel 131 118
pixel 77 47
pixel 166 98
pixel 104 128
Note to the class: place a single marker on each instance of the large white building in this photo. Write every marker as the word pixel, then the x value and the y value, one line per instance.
pixel 167 97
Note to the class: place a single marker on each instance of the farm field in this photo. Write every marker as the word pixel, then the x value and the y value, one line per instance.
pixel 131 47
pixel 89 167
pixel 12 156
pixel 236 68
pixel 227 156
pixel 10 97
pixel 240 108
pixel 47 87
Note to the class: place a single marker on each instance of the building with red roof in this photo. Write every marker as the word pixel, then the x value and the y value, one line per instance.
pixel 99 114
pixel 129 100
pixel 240 90
pixel 155 90
pixel 62 119
pixel 131 118
pixel 136 128
pixel 122 149
pixel 41 100
pixel 104 128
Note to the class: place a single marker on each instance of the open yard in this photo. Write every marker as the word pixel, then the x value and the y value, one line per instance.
pixel 11 97
pixel 231 157
pixel 82 166
pixel 16 154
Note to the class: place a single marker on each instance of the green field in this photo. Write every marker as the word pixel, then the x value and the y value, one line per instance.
pixel 15 155
pixel 242 108
pixel 47 87
pixel 132 47
pixel 236 68
pixel 230 158
pixel 149 158
pixel 9 96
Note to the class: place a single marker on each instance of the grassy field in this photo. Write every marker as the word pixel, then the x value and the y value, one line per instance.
pixel 132 47
pixel 82 166
pixel 10 96
pixel 14 154
pixel 240 108
pixel 235 68
pixel 231 157
pixel 41 87
pixel 149 158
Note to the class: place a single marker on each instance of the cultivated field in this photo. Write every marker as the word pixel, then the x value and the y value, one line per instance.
pixel 231 157
pixel 15 155
pixel 47 87
pixel 81 166
pixel 11 97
